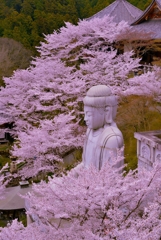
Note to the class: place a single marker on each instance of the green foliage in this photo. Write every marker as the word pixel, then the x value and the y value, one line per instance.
pixel 136 114
pixel 27 21
pixel 23 219
pixel 4 154
pixel 141 4
pixel 3 223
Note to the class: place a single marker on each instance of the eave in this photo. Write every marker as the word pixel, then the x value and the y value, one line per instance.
pixel 149 9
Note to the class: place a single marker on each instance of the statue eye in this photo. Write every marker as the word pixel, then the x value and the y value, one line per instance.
pixel 107 109
pixel 89 114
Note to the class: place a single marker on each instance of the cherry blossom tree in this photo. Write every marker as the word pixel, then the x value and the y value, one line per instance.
pixel 45 144
pixel 101 204
pixel 96 205
pixel 146 84
pixel 45 104
pixel 45 101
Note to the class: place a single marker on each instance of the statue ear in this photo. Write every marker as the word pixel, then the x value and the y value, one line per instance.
pixel 108 114
pixel 107 108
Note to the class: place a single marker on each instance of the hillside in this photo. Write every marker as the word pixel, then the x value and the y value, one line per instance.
pixel 27 21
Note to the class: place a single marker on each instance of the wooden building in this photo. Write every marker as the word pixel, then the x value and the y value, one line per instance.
pixel 148 21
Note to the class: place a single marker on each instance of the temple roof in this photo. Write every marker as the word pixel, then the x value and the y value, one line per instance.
pixel 150 20
pixel 12 198
pixel 152 26
pixel 153 11
pixel 120 10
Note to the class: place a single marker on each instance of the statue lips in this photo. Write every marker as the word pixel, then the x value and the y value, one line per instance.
pixel 87 123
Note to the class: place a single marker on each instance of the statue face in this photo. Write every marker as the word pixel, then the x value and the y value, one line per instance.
pixel 108 115
pixel 94 117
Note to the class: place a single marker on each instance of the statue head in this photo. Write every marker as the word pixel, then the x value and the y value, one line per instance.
pixel 100 107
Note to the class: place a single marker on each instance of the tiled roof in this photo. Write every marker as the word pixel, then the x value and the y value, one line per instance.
pixel 146 11
pixel 153 26
pixel 12 198
pixel 158 2
pixel 120 10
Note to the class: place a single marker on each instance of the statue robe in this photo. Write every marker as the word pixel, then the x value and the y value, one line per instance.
pixel 101 146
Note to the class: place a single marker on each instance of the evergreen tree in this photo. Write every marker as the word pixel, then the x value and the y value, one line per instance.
pixel 27 21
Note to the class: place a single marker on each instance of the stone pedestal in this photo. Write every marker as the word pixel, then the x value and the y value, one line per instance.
pixel 148 148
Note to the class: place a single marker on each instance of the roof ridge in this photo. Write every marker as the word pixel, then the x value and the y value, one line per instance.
pixel 119 10
pixel 107 7
pixel 132 6
pixel 159 3
pixel 116 4
pixel 146 11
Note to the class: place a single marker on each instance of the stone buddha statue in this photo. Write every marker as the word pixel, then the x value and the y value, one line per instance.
pixel 103 138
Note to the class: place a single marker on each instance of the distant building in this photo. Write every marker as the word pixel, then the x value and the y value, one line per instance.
pixel 12 205
pixel 120 10
pixel 145 21
pixel 150 19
